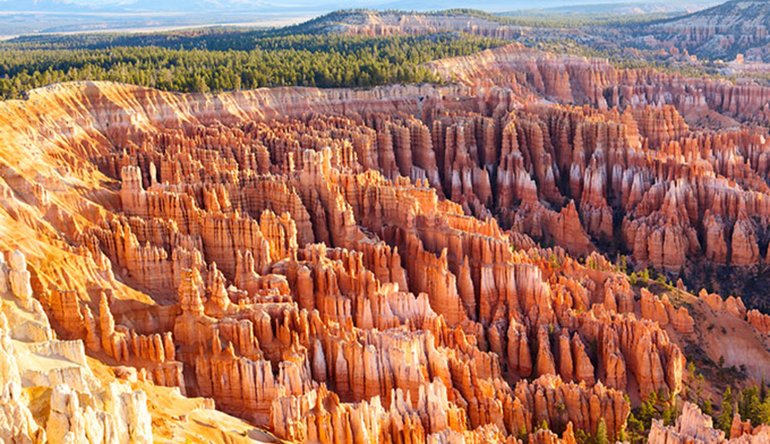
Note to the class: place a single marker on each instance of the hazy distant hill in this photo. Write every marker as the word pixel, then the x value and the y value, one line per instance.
pixel 724 31
pixel 624 8
pixel 46 16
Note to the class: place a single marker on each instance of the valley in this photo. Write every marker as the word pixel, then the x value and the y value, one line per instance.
pixel 490 242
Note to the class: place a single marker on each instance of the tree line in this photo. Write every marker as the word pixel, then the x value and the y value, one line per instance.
pixel 296 60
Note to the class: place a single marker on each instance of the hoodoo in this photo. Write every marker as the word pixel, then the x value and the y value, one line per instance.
pixel 489 257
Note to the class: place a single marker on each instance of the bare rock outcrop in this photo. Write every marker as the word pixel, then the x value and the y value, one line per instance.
pixel 398 264
pixel 694 426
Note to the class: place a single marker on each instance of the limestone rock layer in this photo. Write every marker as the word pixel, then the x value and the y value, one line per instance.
pixel 401 264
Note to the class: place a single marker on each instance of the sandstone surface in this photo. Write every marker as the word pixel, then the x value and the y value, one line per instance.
pixel 399 264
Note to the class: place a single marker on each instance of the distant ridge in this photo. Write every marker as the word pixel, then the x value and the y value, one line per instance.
pixel 721 32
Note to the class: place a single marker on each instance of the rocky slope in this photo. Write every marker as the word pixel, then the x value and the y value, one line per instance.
pixel 722 32
pixel 362 265
pixel 53 392
pixel 367 22
pixel 381 23
pixel 735 31
pixel 657 165
pixel 694 426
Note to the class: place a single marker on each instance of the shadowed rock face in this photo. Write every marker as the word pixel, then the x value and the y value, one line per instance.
pixel 359 265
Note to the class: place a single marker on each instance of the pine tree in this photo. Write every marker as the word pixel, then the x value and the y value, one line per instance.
pixel 763 412
pixel 601 433
pixel 647 410
pixel 748 405
pixel 725 419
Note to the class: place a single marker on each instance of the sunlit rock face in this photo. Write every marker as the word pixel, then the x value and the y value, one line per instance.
pixel 401 264
pixel 694 426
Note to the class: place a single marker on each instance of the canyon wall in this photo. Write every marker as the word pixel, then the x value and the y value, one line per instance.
pixel 407 263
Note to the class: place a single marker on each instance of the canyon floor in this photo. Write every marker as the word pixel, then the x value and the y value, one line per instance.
pixel 464 262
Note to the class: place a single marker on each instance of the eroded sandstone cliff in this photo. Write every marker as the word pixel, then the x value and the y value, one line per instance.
pixel 361 265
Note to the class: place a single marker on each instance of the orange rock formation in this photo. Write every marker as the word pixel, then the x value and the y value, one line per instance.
pixel 356 266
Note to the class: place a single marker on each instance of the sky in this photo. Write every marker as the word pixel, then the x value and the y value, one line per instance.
pixel 276 5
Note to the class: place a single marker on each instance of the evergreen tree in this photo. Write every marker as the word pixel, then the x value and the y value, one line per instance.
pixel 601 433
pixel 647 410
pixel 725 418
pixel 229 60
pixel 763 412
pixel 749 404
